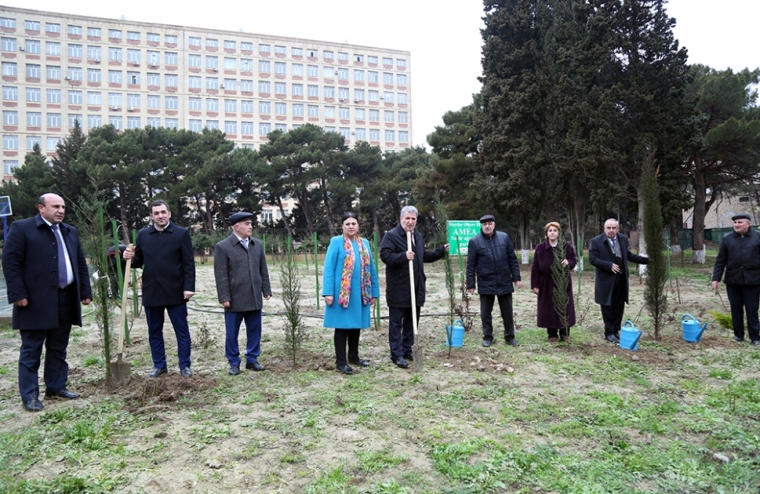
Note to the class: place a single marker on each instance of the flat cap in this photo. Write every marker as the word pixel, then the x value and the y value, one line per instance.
pixel 741 216
pixel 241 216
pixel 488 217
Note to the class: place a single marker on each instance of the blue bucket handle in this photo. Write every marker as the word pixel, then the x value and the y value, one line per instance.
pixel 629 323
pixel 458 322
pixel 683 318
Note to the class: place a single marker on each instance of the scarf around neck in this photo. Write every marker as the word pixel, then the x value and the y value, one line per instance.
pixel 348 271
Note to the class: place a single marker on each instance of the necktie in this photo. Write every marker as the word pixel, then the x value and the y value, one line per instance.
pixel 244 241
pixel 62 275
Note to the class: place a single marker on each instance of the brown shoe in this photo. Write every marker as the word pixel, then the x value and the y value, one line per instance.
pixel 566 339
pixel 553 339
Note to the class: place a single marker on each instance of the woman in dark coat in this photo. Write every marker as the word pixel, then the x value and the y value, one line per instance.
pixel 543 285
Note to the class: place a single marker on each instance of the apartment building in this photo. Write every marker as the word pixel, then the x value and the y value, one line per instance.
pixel 59 68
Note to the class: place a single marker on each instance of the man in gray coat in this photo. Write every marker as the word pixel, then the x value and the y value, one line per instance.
pixel 242 278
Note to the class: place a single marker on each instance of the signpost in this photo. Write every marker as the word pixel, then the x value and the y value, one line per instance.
pixel 460 233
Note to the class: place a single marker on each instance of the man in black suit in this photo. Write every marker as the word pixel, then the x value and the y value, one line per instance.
pixel 165 252
pixel 609 254
pixel 47 277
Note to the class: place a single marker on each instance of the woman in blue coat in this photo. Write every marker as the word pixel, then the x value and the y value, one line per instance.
pixel 350 287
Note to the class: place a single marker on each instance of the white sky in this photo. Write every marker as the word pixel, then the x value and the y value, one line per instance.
pixel 443 36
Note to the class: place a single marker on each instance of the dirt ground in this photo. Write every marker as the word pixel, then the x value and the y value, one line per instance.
pixel 163 403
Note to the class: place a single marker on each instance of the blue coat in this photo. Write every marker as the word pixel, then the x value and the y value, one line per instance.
pixel 357 314
pixel 30 266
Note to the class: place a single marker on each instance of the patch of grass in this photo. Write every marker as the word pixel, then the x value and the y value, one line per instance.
pixel 329 481
pixel 374 461
pixel 4 370
pixel 92 361
pixel 724 374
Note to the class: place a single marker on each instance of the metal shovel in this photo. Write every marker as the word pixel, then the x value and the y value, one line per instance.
pixel 121 371
pixel 417 353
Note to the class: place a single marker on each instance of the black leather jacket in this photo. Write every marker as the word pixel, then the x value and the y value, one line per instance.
pixel 739 256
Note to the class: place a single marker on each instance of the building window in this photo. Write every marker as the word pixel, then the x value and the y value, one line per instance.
pixel 114 100
pixel 403 117
pixel 34 119
pixel 153 37
pixel 280 88
pixel 133 78
pixel 374 134
pixel 296 52
pixel 33 47
pixel 9 69
pixel 329 112
pixel 76 98
pixel 246 85
pixel 52 143
pixel 401 79
pixel 390 135
pixel 230 63
pixel 114 33
pixel 114 54
pixel 388 97
pixel 133 56
pixel 264 66
pixel 329 92
pixel 53 119
pixel 387 78
pixel 361 134
pixel 230 127
pixel 10 93
pixel 246 128
pixel 171 80
pixel 10 117
pixel 387 61
pixel 328 72
pixel 312 70
pixel 154 122
pixel 193 82
pixel 279 68
pixel 212 104
pixel 403 136
pixel 296 69
pixel 170 39
pixel 32 141
pixel 388 115
pixel 53 95
pixel 154 56
pixel 263 48
pixel 265 108
pixel 345 132
pixel 400 63
pixel 93 32
pixel 8 44
pixel 154 79
pixel 33 71
pixel 94 53
pixel 372 59
pixel 194 104
pixel 75 51
pixel 10 142
pixel 193 41
pixel 297 109
pixel 212 62
pixel 374 115
pixel 230 45
pixel 373 95
pixel 171 102
pixel 34 94
pixel 297 89
pixel 281 127
pixel 246 46
pixel 94 75
pixel 342 73
pixel 372 76
pixel 171 123
pixel 230 106
pixel 94 121
pixel 313 110
pixel 359 58
pixel 212 83
pixel 171 58
pixel 74 118
pixel 133 36
pixel 230 84
pixel 10 166
pixel 358 95
pixel 264 87
pixel 212 43
pixel 327 55
pixel 195 125
pixel 279 50
pixel 246 65
pixel 343 93
pixel 32 25
pixel 359 114
pixel 344 113
pixel 133 123
pixel 194 61
pixel 52 27
pixel 114 76
pixel 246 106
pixel 264 128
pixel 402 98
pixel 280 108
pixel 116 121
pixel 8 22
pixel 53 48
pixel 94 98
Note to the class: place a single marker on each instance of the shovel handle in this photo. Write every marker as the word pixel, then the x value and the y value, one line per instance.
pixel 124 300
pixel 411 282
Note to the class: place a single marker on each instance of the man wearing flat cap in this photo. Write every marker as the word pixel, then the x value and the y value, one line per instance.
pixel 739 257
pixel 242 282
pixel 165 253
pixel 491 259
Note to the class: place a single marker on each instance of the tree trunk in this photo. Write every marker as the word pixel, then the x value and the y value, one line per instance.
pixel 285 219
pixel 698 222
pixel 640 226
pixel 675 246
pixel 524 240
pixel 328 211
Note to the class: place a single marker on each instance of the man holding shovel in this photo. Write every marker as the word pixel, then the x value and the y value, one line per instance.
pixel 396 254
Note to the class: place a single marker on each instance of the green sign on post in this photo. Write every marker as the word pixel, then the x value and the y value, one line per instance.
pixel 460 233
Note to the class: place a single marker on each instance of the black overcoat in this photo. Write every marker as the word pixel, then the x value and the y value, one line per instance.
pixel 601 257
pixel 393 253
pixel 739 257
pixel 541 278
pixel 493 261
pixel 168 265
pixel 30 266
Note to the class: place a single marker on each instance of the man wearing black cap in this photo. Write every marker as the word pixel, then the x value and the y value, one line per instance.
pixel 165 253
pixel 739 257
pixel 491 256
pixel 242 279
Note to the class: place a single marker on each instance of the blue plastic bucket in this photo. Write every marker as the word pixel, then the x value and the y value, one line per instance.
pixel 692 331
pixel 629 336
pixel 457 334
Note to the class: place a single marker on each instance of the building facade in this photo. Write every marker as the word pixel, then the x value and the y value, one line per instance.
pixel 59 68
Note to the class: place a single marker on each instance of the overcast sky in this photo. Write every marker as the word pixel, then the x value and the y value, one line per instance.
pixel 443 36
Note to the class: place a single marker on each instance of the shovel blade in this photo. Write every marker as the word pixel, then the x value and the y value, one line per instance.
pixel 121 373
pixel 418 356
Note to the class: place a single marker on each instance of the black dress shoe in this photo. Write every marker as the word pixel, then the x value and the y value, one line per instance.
pixel 756 342
pixel 612 338
pixel 738 339
pixel 401 362
pixel 512 342
pixel 64 393
pixel 360 362
pixel 33 405
pixel 186 372
pixel 157 372
pixel 345 369
pixel 254 366
pixel 234 370
pixel 409 357
pixel 486 343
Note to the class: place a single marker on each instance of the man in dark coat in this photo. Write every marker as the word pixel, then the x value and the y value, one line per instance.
pixel 165 252
pixel 739 257
pixel 609 254
pixel 396 257
pixel 491 256
pixel 46 274
pixel 242 278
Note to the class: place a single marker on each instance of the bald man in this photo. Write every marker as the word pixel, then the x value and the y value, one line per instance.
pixel 47 278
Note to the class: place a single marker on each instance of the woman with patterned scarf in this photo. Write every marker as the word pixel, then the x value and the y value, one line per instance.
pixel 350 287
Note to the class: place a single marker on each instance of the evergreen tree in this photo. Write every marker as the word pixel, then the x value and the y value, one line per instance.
pixel 33 178
pixel 655 296
pixel 70 182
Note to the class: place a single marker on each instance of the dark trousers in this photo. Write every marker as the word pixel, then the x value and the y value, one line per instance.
pixel 505 307
pixel 343 336
pixel 554 332
pixel 232 322
pixel 55 341
pixel 401 330
pixel 612 314
pixel 741 298
pixel 178 317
